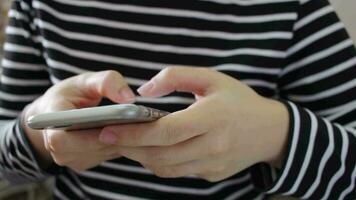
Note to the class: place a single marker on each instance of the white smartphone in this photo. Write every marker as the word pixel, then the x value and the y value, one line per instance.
pixel 94 117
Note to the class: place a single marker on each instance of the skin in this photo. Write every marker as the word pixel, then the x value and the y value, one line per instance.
pixel 229 127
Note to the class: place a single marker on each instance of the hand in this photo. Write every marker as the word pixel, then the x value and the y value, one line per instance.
pixel 78 150
pixel 228 128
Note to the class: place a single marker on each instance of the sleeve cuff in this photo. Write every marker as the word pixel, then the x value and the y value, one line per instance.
pixel 53 169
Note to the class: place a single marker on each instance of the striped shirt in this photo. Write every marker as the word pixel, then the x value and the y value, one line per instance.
pixel 294 51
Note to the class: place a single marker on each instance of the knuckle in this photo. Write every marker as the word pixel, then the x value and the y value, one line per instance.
pixel 56 143
pixel 112 74
pixel 61 160
pixel 165 172
pixel 107 77
pixel 218 148
pixel 169 72
pixel 158 157
pixel 210 177
pixel 170 134
pixel 219 169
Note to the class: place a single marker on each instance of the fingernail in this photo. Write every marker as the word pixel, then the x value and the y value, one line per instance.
pixel 108 137
pixel 145 88
pixel 127 94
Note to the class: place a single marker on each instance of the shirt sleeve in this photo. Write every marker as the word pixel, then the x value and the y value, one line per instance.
pixel 24 77
pixel 319 84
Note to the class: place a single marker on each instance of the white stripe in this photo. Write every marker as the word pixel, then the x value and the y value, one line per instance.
pixel 17 15
pixel 10 30
pixel 351 130
pixel 247 68
pixel 19 159
pixel 126 168
pixel 18 97
pixel 293 147
pixel 59 194
pixel 109 59
pixel 6 151
pixel 327 154
pixel 26 147
pixel 164 188
pixel 155 47
pixel 181 13
pixel 138 82
pixel 351 124
pixel 159 29
pixel 64 66
pixel 22 66
pixel 313 16
pixel 308 155
pixel 103 58
pixel 317 56
pixel 109 195
pixel 326 93
pixel 339 114
pixel 54 79
pixel 21 49
pixel 304 1
pixel 166 100
pixel 25 6
pixel 329 111
pixel 249 2
pixel 98 192
pixel 340 172
pixel 19 166
pixel 9 113
pixel 323 74
pixel 72 187
pixel 351 186
pixel 260 83
pixel 133 169
pixel 23 82
pixel 314 37
pixel 76 70
pixel 260 197
pixel 240 192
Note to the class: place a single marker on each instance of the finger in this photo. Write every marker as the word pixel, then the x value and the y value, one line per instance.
pixel 185 79
pixel 196 148
pixel 109 83
pixel 84 160
pixel 171 129
pixel 74 141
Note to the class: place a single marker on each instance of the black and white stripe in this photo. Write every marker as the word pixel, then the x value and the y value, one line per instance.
pixel 295 50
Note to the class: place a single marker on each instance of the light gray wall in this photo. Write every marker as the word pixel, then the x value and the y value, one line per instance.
pixel 346 9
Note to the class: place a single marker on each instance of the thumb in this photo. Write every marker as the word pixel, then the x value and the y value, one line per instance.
pixel 199 81
pixel 108 84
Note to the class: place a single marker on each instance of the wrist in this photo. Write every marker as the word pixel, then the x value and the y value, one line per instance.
pixel 279 134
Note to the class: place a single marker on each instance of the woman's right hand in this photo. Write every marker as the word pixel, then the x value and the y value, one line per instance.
pixel 78 150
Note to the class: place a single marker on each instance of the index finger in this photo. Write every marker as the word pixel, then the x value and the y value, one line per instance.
pixel 171 129
pixel 74 141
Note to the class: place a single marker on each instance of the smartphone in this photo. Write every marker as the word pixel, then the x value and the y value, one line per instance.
pixel 94 117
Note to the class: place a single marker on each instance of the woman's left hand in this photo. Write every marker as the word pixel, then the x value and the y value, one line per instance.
pixel 229 128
